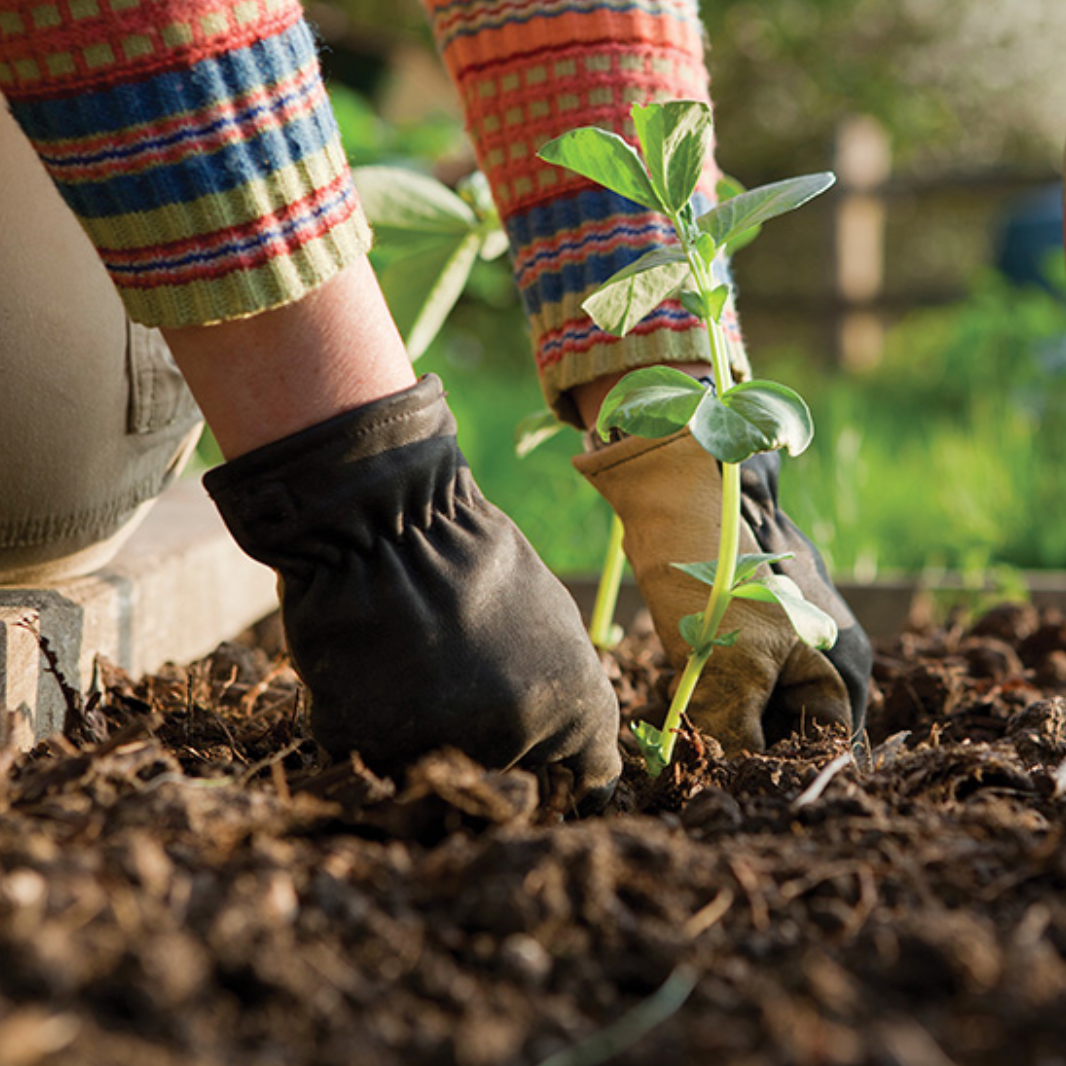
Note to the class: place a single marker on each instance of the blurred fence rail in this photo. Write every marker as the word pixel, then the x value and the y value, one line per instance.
pixel 836 276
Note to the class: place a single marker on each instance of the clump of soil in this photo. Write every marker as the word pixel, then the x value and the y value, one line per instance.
pixel 182 880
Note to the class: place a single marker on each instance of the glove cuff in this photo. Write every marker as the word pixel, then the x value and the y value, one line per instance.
pixel 670 480
pixel 376 469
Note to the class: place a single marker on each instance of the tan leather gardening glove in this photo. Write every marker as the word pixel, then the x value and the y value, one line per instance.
pixel 667 493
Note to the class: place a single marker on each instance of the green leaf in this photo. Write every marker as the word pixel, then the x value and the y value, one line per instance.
pixel 636 290
pixel 533 430
pixel 812 625
pixel 727 188
pixel 747 564
pixel 606 158
pixel 704 572
pixel 741 240
pixel 654 401
pixel 650 741
pixel 675 139
pixel 735 216
pixel 706 249
pixel 754 416
pixel 692 302
pixel 716 302
pixel 422 289
pixel 690 626
pixel 402 202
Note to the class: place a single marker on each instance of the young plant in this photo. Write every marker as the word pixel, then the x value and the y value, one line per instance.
pixel 431 238
pixel 730 421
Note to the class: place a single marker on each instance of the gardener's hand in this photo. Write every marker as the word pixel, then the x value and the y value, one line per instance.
pixel 668 495
pixel 416 612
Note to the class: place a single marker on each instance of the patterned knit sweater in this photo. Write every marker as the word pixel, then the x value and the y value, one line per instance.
pixel 529 70
pixel 195 143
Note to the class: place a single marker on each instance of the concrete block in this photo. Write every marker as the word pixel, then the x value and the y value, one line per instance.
pixel 19 669
pixel 177 589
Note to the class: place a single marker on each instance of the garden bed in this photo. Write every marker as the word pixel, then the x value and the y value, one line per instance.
pixel 181 881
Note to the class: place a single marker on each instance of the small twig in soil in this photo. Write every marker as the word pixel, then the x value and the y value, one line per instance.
pixel 248 700
pixel 815 789
pixel 868 900
pixel 659 1007
pixel 131 731
pixel 907 1041
pixel 888 750
pixel 709 914
pixel 800 886
pixel 227 684
pixel 749 882
pixel 281 783
pixel 192 705
pixel 555 785
pixel 31 1034
pixel 272 760
pixel 172 777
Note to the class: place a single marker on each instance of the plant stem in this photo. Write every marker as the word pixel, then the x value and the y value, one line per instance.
pixel 607 594
pixel 717 602
pixel 728 534
pixel 728 549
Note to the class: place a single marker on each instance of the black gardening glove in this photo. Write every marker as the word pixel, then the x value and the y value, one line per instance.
pixel 416 612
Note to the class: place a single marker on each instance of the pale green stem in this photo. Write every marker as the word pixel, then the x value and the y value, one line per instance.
pixel 729 533
pixel 607 594
pixel 717 602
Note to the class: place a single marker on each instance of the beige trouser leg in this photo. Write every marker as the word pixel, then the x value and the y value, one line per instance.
pixel 95 419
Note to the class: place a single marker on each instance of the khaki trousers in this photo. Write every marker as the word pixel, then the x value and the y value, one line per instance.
pixel 95 419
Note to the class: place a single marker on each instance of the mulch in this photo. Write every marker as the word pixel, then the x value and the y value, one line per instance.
pixel 182 880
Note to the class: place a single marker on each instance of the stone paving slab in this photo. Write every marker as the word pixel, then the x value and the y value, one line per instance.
pixel 177 589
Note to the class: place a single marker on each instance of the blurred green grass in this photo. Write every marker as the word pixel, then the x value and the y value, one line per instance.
pixel 951 454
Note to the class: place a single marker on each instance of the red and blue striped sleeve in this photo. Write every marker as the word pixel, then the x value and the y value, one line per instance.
pixel 194 141
pixel 529 70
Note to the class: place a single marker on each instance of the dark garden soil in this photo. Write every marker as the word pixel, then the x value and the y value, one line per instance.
pixel 181 881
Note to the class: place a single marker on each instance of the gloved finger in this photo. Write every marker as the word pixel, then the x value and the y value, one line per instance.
pixel 852 658
pixel 852 655
pixel 588 752
pixel 737 681
pixel 596 769
pixel 729 709
pixel 809 689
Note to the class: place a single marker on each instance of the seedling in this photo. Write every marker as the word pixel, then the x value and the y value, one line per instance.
pixel 730 421
pixel 432 237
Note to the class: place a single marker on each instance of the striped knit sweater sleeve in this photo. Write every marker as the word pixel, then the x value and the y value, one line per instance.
pixel 529 70
pixel 195 143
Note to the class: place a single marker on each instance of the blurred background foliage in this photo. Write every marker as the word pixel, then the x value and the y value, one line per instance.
pixel 946 450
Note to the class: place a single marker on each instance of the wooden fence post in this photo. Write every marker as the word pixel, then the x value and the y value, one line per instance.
pixel 863 163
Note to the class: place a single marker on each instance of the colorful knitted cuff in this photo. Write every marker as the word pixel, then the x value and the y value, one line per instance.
pixel 529 70
pixel 195 143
